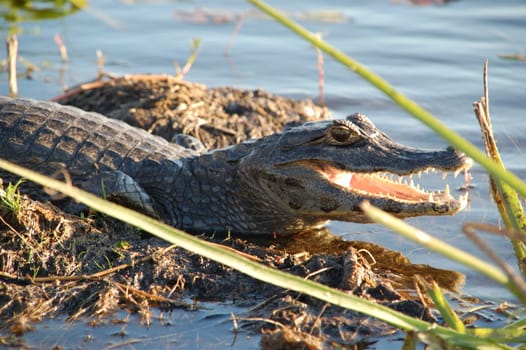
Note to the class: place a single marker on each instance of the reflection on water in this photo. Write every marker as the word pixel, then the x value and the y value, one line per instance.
pixel 383 259
pixel 433 54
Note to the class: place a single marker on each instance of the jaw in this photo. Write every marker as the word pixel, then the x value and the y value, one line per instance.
pixel 391 192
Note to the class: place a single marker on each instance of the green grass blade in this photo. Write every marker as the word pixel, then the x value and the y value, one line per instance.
pixel 509 335
pixel 449 315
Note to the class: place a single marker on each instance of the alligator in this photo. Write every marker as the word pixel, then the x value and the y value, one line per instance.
pixel 288 182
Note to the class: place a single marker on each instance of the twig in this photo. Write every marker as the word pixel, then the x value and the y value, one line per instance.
pixel 100 64
pixel 469 230
pixel 486 90
pixel 318 318
pixel 236 31
pixel 191 59
pixel 321 77
pixel 124 288
pixel 61 48
pixel 507 199
pixel 262 319
pixel 235 325
pixel 12 54
pixel 235 251
pixel 500 231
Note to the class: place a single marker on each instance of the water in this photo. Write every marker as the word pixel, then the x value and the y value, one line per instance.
pixel 433 54
pixel 209 328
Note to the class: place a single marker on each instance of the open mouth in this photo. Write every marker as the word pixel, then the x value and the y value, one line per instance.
pixel 391 186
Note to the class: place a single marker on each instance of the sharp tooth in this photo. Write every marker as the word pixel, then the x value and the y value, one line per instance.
pixel 430 198
pixel 455 174
pixel 411 182
pixel 444 175
pixel 419 174
pixel 418 187
pixel 404 181
pixel 446 190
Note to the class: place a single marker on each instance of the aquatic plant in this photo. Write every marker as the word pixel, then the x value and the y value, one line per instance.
pixel 21 11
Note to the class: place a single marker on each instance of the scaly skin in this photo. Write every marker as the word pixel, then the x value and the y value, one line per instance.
pixel 284 183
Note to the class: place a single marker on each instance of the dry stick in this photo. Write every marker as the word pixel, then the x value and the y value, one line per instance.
pixel 481 109
pixel 507 200
pixel 62 48
pixel 100 64
pixel 321 76
pixel 127 289
pixel 500 231
pixel 469 230
pixel 489 141
pixel 318 318
pixel 486 97
pixel 78 89
pixel 236 31
pixel 12 54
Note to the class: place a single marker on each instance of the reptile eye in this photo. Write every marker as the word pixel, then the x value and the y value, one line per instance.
pixel 341 135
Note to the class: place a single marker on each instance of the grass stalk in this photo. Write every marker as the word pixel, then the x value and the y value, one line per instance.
pixel 506 198
pixel 449 315
pixel 12 56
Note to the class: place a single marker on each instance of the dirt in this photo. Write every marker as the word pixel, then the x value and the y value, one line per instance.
pixel 167 106
pixel 53 263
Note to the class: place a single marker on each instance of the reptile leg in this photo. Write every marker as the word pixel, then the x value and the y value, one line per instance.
pixel 120 188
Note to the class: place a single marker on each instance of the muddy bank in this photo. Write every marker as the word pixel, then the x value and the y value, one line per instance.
pixel 53 263
pixel 167 106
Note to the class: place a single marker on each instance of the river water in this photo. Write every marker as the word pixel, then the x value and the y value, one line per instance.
pixel 433 54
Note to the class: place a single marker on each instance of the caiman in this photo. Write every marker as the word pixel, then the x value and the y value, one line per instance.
pixel 283 183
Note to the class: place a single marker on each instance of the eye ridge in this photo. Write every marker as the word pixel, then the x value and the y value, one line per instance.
pixel 341 135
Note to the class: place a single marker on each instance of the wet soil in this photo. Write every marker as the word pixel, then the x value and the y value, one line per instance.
pixel 53 263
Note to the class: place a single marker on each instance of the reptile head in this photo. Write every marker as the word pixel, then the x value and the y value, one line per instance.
pixel 323 170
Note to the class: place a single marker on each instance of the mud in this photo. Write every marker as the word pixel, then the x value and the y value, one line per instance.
pixel 167 106
pixel 53 263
